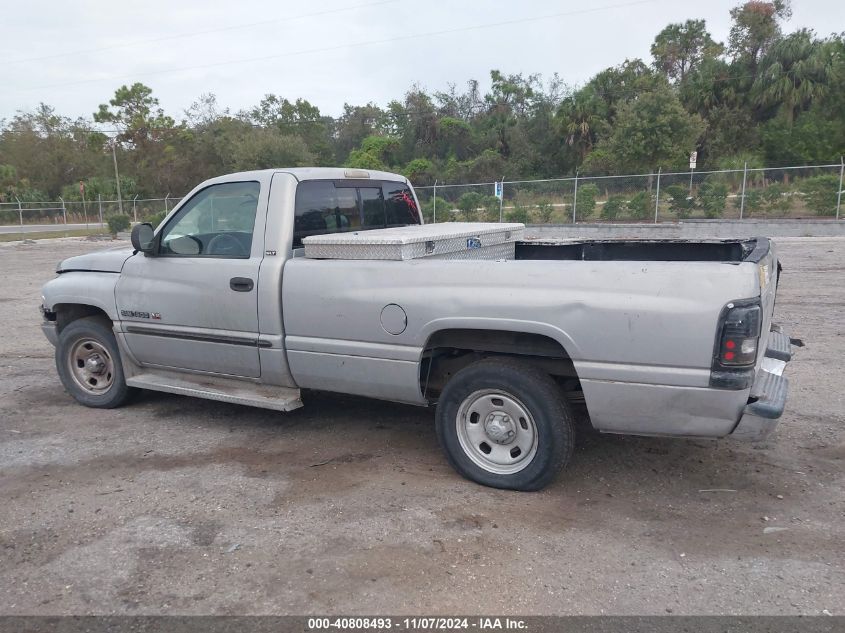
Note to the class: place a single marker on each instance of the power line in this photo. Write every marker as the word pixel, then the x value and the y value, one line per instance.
pixel 401 38
pixel 196 33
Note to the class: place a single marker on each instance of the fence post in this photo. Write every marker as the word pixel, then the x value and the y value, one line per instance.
pixel 742 199
pixel 100 204
pixel 135 207
pixel 575 198
pixel 839 194
pixel 64 210
pixel 20 214
pixel 166 210
pixel 434 204
pixel 657 196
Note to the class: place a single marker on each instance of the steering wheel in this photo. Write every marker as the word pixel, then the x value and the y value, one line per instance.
pixel 225 244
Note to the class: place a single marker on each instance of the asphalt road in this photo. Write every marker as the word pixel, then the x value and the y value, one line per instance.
pixel 178 505
pixel 45 228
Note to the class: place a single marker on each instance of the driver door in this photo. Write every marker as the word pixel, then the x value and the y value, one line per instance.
pixel 192 304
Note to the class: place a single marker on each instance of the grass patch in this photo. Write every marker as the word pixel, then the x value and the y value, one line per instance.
pixel 44 235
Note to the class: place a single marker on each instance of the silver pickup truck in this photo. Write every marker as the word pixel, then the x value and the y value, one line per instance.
pixel 223 301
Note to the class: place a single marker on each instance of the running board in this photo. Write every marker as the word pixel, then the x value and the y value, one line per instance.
pixel 217 388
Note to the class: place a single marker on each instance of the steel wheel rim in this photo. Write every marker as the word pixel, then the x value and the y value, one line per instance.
pixel 91 366
pixel 496 431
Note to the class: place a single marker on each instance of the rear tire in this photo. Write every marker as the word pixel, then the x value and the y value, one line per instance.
pixel 504 423
pixel 88 362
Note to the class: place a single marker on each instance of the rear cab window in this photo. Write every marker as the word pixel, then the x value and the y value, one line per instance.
pixel 337 206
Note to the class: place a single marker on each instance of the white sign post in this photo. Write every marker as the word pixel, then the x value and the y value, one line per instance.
pixel 499 192
pixel 693 157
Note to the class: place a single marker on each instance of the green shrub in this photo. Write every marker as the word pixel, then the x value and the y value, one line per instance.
pixel 613 208
pixel 713 197
pixel 641 205
pixel 156 219
pixel 820 194
pixel 118 223
pixel 754 202
pixel 586 204
pixel 679 202
pixel 468 205
pixel 518 214
pixel 492 208
pixel 776 198
pixel 545 211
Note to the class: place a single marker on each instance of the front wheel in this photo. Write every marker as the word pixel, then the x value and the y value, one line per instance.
pixel 504 423
pixel 88 362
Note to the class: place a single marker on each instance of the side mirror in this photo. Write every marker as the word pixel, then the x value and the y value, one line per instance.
pixel 142 237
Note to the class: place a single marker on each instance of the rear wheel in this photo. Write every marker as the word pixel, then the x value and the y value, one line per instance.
pixel 88 362
pixel 503 423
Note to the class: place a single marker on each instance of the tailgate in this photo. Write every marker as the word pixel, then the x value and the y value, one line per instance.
pixel 768 273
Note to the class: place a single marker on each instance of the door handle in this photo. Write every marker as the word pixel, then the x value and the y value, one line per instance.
pixel 241 284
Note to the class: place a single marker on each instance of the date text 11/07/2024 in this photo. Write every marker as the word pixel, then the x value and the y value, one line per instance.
pixel 416 623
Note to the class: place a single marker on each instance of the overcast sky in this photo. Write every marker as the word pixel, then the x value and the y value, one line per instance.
pixel 73 55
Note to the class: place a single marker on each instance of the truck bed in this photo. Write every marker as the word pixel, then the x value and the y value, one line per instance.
pixel 727 251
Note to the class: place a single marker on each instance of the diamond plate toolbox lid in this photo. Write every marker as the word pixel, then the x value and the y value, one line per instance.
pixel 413 242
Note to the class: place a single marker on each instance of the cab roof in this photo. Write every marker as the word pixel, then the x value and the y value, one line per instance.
pixel 312 173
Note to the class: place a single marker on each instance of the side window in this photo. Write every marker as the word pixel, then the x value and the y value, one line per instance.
pixel 217 222
pixel 323 208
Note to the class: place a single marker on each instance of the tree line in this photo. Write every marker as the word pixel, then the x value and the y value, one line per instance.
pixel 763 97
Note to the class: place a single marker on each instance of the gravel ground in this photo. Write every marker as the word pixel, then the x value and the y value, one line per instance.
pixel 176 505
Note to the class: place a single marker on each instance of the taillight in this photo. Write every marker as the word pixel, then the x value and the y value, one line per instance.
pixel 737 342
pixel 740 335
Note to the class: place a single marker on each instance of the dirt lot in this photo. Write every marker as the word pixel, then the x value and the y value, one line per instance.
pixel 176 505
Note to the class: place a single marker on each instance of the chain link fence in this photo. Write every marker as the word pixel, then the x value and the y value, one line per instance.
pixel 89 216
pixel 734 194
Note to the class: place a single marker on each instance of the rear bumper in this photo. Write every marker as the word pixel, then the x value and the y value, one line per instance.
pixel 768 394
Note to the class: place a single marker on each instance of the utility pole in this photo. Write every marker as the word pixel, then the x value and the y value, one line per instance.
pixel 434 204
pixel 839 193
pixel 84 204
pixel 575 197
pixel 116 175
pixel 744 178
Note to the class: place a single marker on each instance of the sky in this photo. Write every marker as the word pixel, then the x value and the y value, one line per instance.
pixel 73 55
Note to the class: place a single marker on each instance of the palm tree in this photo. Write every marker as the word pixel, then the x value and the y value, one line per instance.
pixel 795 72
pixel 579 118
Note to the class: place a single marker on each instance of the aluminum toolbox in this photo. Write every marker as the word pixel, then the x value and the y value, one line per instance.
pixel 449 240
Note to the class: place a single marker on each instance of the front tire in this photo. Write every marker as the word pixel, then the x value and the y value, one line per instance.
pixel 88 362
pixel 504 423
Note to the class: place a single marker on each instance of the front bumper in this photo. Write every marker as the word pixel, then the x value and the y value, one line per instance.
pixel 767 399
pixel 51 332
pixel 49 326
